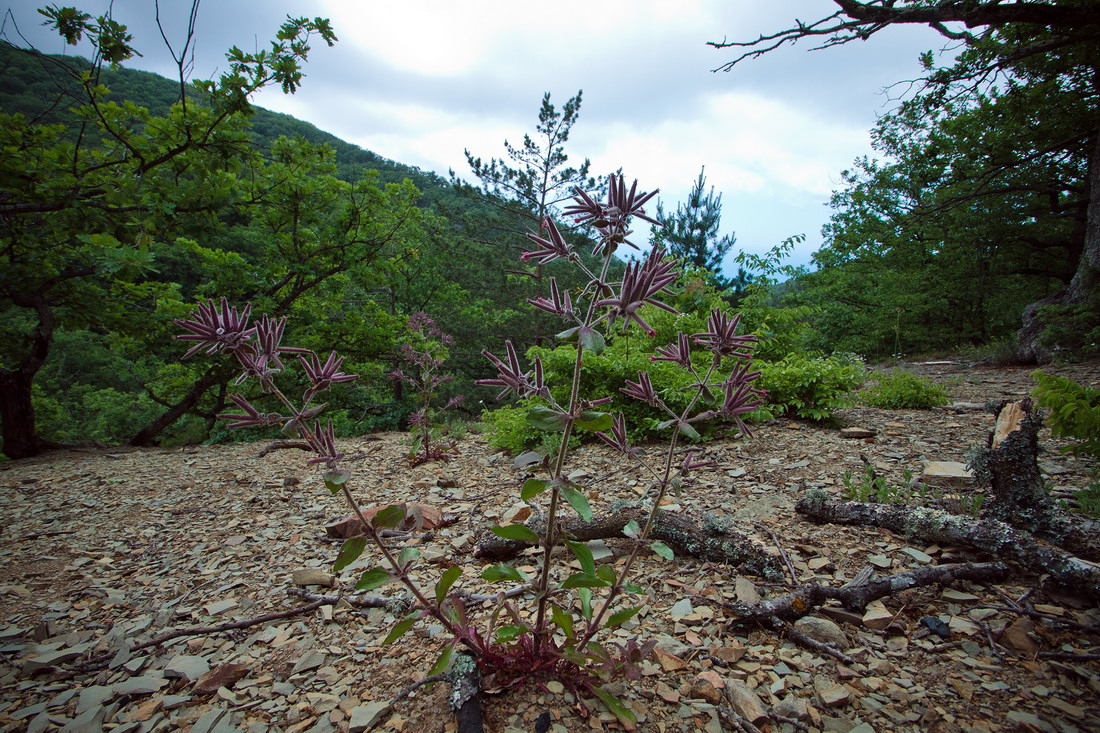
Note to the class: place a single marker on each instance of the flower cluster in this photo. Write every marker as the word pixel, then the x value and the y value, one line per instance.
pixel 220 328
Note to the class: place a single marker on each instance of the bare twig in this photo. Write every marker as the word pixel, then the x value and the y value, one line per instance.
pixel 786 558
pixel 103 659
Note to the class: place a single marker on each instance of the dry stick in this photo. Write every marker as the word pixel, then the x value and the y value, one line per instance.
pixel 800 637
pixel 406 691
pixel 367 601
pixel 96 662
pixel 285 445
pixel 796 724
pixel 1048 617
pixel 786 558
pixel 732 720
pixel 1069 656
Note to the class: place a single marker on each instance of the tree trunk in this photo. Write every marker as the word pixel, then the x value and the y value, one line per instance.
pixel 147 436
pixel 21 439
pixel 19 430
pixel 1085 280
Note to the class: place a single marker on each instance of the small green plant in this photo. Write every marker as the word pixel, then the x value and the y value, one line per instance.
pixel 900 390
pixel 424 353
pixel 872 488
pixel 810 387
pixel 1074 414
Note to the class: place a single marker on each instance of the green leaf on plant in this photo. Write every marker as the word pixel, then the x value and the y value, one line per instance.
pixel 584 556
pixel 506 634
pixel 628 720
pixel 544 418
pixel 519 532
pixel 495 573
pixel 389 517
pixel 532 487
pixel 621 617
pixel 443 662
pixel 408 556
pixel 591 339
pixel 585 594
pixel 607 573
pixel 632 588
pixel 663 550
pixel 584 580
pixel 450 575
pixel 335 480
pixel 372 579
pixel 632 529
pixel 577 500
pixel 401 628
pixel 570 334
pixel 687 431
pixel 595 420
pixel 563 620
pixel 349 553
pixel 663 425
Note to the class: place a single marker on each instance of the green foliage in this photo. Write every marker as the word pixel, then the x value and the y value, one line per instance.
pixel 1072 331
pixel 810 387
pixel 691 233
pixel 1075 414
pixel 899 390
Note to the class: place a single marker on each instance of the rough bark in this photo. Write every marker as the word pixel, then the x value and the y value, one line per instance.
pixel 21 439
pixel 1017 495
pixel 17 421
pixel 148 435
pixel 465 687
pixel 802 601
pixel 934 526
pixel 713 539
pixel 1086 279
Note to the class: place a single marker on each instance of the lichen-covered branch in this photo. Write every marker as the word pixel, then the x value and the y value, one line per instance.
pixel 713 540
pixel 934 526
pixel 802 601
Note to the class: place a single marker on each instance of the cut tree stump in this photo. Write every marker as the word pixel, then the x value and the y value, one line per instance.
pixel 934 526
pixel 713 540
pixel 1017 496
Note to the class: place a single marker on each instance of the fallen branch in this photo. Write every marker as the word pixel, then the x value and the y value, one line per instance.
pixel 103 659
pixel 803 639
pixel 714 539
pixel 285 445
pixel 802 601
pixel 934 526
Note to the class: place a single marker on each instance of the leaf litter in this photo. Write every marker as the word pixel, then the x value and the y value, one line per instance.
pixel 103 549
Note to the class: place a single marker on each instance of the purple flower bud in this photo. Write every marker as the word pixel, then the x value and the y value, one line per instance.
pixel 216 329
pixel 642 390
pixel 553 247
pixel 640 283
pixel 251 417
pixel 722 338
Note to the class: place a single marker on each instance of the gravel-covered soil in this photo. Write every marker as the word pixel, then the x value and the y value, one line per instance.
pixel 103 548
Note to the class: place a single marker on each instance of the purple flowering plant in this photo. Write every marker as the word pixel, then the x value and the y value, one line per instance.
pixel 568 630
pixel 560 638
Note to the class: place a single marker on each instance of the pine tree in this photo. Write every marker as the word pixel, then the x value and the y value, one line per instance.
pixel 691 233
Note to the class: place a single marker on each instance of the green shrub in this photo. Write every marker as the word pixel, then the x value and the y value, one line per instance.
pixel 810 387
pixel 1075 414
pixel 900 390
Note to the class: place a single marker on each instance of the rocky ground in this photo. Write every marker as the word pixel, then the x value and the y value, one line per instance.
pixel 102 549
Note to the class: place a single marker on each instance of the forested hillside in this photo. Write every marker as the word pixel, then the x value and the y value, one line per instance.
pixel 266 209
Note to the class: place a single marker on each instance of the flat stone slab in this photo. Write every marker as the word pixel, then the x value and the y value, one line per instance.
pixel 947 473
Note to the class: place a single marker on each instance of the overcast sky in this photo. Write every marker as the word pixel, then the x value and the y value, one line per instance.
pixel 419 81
